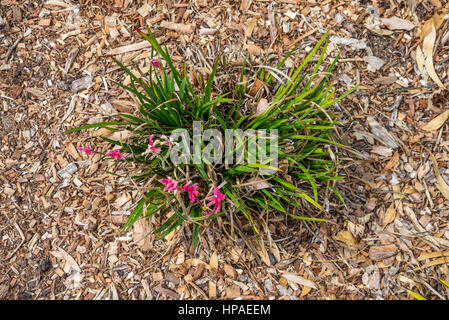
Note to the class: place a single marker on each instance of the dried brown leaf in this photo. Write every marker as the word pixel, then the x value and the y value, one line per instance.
pixel 421 61
pixel 214 261
pixel 395 23
pixel 251 26
pixel 431 255
pixel 441 184
pixel 428 46
pixel 435 262
pixel 263 253
pixel 305 291
pixel 212 289
pixel 299 280
pixel 390 215
pixel 346 236
pixel 435 22
pixel 436 122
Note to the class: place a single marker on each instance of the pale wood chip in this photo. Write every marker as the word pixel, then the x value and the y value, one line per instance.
pixel 131 47
pixel 178 27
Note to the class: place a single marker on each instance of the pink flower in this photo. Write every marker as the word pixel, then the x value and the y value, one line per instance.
pixel 191 189
pixel 220 196
pixel 115 154
pixel 170 184
pixel 168 142
pixel 151 143
pixel 156 63
pixel 87 149
pixel 215 201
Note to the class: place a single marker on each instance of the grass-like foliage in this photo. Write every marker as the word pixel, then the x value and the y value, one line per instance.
pixel 297 106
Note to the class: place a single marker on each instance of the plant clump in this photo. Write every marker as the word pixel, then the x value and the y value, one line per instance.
pixel 293 115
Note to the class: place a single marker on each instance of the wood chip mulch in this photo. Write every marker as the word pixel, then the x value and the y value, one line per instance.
pixel 61 214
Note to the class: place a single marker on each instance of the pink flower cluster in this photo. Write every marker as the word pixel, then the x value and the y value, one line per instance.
pixel 191 189
pixel 114 153
pixel 151 144
pixel 156 63
pixel 87 149
pixel 215 201
pixel 170 184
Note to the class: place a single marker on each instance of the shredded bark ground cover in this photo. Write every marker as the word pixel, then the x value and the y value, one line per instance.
pixel 61 214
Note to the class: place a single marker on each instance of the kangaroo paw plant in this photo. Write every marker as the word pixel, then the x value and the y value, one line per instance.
pixel 239 153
